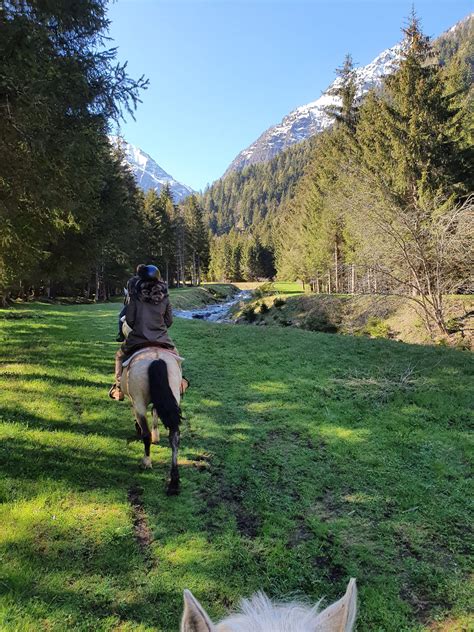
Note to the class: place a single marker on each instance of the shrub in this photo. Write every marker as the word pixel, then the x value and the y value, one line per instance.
pixel 376 328
pixel 453 325
pixel 264 309
pixel 278 302
pixel 263 290
pixel 319 321
pixel 249 314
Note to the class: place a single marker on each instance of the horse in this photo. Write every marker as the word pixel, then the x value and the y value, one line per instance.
pixel 259 614
pixel 153 375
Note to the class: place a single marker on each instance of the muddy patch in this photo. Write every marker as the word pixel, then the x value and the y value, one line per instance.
pixel 142 532
pixel 230 497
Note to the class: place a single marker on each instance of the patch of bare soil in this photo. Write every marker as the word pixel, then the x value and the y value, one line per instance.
pixel 143 534
pixel 221 492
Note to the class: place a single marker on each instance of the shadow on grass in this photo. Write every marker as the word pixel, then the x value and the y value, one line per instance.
pixel 305 481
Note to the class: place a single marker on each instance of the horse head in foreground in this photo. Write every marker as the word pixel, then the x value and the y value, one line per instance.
pixel 153 375
pixel 259 614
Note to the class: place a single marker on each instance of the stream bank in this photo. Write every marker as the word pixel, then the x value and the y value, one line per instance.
pixel 217 312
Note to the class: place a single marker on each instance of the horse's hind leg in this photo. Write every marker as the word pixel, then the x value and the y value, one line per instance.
pixel 143 423
pixel 155 433
pixel 173 485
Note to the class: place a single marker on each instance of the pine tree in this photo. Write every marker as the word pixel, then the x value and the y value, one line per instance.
pixel 410 179
pixel 197 240
pixel 405 136
pixel 345 90
pixel 60 89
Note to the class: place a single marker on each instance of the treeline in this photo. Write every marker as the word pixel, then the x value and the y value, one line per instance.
pixel 72 218
pixel 240 256
pixel 385 203
pixel 174 237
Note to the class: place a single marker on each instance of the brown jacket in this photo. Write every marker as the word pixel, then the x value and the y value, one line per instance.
pixel 149 315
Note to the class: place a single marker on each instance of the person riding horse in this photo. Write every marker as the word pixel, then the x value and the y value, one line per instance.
pixel 148 314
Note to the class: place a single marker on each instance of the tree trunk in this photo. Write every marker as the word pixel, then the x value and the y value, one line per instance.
pixel 178 270
pixel 336 266
pixel 198 270
pixel 329 282
pixel 353 279
pixel 97 285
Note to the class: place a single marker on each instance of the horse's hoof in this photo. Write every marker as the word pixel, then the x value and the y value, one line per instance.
pixel 146 463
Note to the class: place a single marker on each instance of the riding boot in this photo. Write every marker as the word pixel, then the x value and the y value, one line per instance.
pixel 116 392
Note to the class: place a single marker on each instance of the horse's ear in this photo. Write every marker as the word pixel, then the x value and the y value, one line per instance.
pixel 339 616
pixel 195 618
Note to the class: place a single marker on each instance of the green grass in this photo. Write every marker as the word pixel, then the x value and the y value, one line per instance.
pixel 306 459
pixel 284 287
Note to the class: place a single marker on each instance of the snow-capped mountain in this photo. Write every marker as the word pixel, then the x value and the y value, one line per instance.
pixel 148 173
pixel 310 119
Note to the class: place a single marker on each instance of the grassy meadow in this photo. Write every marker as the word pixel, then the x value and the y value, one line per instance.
pixel 306 459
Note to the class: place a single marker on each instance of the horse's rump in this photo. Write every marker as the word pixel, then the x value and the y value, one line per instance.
pixel 136 378
pixel 162 397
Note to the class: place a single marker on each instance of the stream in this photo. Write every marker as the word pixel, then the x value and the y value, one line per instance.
pixel 216 313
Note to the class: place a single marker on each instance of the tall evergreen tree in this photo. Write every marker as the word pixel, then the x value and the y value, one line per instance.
pixel 197 239
pixel 345 90
pixel 59 89
pixel 411 177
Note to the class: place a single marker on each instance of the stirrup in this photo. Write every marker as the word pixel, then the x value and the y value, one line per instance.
pixel 116 393
pixel 182 390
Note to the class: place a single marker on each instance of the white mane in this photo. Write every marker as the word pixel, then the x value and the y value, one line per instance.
pixel 259 614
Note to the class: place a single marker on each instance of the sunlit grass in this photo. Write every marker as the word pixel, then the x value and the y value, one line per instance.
pixel 305 460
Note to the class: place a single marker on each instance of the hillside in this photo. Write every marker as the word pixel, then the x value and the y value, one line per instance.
pixel 312 118
pixel 247 195
pixel 246 198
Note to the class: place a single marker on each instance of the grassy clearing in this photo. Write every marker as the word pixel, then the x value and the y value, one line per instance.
pixel 306 459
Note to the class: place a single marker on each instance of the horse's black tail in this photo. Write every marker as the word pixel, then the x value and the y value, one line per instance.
pixel 162 397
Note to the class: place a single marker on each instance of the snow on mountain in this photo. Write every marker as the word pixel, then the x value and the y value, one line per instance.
pixel 311 119
pixel 148 173
pixel 461 24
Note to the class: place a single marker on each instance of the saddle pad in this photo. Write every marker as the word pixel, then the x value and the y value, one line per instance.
pixel 154 352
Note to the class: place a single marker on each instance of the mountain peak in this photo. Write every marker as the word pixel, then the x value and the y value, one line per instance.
pixel 147 172
pixel 312 118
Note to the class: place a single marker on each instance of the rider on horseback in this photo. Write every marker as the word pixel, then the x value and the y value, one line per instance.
pixel 148 314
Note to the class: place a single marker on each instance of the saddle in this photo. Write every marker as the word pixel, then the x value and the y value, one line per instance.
pixel 151 352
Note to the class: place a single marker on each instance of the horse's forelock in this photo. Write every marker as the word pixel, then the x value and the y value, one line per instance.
pixel 259 614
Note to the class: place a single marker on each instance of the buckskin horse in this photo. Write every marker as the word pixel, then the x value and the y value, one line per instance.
pixel 153 375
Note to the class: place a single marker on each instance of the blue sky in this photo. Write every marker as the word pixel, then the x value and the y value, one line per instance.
pixel 222 71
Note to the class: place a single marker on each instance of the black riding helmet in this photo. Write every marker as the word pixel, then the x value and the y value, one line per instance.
pixel 149 273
